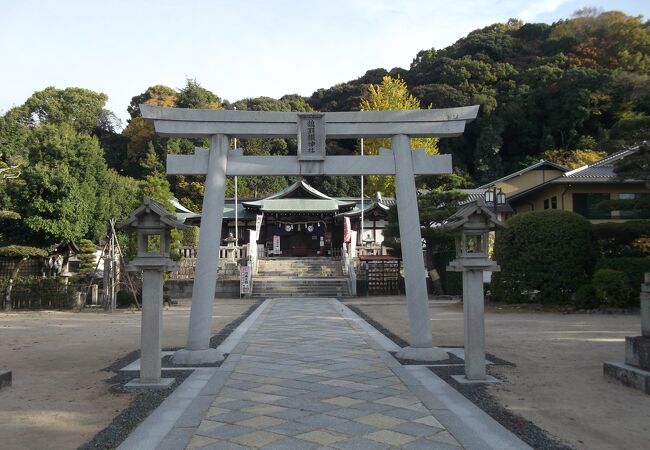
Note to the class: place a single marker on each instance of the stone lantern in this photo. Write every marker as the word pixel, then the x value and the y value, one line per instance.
pixel 472 224
pixel 152 224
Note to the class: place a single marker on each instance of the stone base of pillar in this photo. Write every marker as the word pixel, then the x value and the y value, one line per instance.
pixel 422 354
pixel 462 379
pixel 5 378
pixel 628 375
pixel 139 384
pixel 209 356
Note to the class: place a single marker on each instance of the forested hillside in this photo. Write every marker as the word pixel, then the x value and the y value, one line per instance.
pixel 564 91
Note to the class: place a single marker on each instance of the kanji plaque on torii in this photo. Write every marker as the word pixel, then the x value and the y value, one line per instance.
pixel 311 130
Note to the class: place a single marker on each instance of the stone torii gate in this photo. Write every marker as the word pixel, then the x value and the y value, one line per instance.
pixel 311 130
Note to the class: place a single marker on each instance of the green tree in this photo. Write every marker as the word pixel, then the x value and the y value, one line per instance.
pixel 80 108
pixel 86 256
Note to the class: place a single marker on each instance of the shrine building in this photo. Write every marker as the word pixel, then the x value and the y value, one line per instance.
pixel 300 221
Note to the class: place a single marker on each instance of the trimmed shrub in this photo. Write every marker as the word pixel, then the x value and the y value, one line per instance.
pixel 86 256
pixel 634 268
pixel 124 299
pixel 544 257
pixel 612 288
pixel 586 297
pixel 616 239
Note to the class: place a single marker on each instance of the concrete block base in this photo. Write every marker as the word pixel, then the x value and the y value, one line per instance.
pixel 5 378
pixel 637 351
pixel 137 384
pixel 488 379
pixel 630 376
pixel 209 356
pixel 422 354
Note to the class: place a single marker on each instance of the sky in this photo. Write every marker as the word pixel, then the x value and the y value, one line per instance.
pixel 237 48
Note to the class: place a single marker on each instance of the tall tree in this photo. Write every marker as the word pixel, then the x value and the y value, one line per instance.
pixel 391 94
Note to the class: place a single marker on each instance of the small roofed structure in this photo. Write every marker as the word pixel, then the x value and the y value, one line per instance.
pixel 153 223
pixel 472 222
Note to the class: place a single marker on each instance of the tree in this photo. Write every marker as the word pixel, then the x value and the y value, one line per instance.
pixel 86 256
pixel 636 166
pixel 391 94
pixel 573 159
pixel 193 95
pixel 80 108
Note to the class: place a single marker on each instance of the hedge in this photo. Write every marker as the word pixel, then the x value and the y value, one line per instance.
pixel 39 293
pixel 544 257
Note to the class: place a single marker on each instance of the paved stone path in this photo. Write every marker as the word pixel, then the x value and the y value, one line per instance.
pixel 307 379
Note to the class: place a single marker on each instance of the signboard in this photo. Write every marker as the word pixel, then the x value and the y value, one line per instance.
pixel 258 226
pixel 276 245
pixel 244 280
pixel 311 137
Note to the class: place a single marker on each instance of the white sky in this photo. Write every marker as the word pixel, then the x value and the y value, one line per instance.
pixel 237 49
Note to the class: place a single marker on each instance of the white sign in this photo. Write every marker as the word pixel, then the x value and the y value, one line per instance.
pixel 258 226
pixel 244 280
pixel 276 245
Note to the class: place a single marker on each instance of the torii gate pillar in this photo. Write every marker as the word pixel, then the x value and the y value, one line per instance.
pixel 411 240
pixel 311 129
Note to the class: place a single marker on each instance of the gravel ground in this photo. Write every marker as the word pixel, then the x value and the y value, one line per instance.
pixel 146 401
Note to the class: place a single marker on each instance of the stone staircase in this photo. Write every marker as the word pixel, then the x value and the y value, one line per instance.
pixel 300 277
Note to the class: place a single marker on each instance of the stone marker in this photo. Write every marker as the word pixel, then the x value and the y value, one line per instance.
pixel 635 372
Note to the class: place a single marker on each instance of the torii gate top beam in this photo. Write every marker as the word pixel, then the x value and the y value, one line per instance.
pixel 193 123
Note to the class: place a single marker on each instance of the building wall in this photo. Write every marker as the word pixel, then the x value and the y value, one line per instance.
pixel 564 195
pixel 528 180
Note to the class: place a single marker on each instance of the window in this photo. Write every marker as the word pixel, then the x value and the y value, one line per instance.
pixel 591 206
pixel 550 203
pixel 634 205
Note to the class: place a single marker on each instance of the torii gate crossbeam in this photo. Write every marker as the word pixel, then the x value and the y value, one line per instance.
pixel 311 129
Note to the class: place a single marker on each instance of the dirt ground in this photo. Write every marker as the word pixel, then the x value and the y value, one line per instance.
pixel 558 380
pixel 58 399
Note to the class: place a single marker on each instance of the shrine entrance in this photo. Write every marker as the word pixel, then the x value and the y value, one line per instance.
pixel 311 130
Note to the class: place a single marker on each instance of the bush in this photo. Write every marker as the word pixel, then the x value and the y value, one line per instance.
pixel 586 297
pixel 544 257
pixel 634 268
pixel 612 288
pixel 124 299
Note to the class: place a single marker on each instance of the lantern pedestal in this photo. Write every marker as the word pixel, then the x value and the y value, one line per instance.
pixel 474 316
pixel 151 328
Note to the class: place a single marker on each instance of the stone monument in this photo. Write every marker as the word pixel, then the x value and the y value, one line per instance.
pixel 635 371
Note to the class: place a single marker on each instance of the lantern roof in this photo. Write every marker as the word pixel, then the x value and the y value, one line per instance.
pixel 150 206
pixel 468 212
